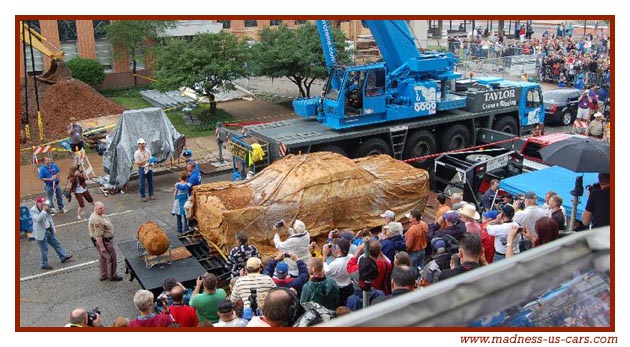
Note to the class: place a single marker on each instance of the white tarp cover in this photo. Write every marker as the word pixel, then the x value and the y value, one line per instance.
pixel 151 124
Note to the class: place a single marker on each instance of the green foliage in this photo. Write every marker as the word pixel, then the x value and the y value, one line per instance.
pixel 132 92
pixel 87 70
pixel 208 123
pixel 296 54
pixel 131 103
pixel 207 63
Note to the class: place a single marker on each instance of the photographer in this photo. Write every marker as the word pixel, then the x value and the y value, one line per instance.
pixel 44 232
pixel 76 179
pixel 336 269
pixel 278 270
pixel 80 318
pixel 546 230
pixel 297 242
pixel 500 228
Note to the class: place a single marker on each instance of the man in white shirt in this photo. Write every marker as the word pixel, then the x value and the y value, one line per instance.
pixel 500 232
pixel 141 159
pixel 297 243
pixel 336 269
pixel 531 214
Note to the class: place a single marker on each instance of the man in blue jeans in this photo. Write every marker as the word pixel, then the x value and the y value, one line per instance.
pixel 44 232
pixel 141 158
pixel 49 174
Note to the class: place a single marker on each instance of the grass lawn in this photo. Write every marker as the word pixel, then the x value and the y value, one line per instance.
pixel 130 99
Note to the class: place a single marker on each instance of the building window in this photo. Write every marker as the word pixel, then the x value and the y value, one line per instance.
pixel 99 28
pixel 251 23
pixel 39 57
pixel 226 23
pixel 68 38
pixel 275 23
pixel 300 22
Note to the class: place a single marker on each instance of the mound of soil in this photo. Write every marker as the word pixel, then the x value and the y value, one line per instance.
pixel 58 103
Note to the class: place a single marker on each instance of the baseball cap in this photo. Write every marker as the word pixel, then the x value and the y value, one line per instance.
pixel 141 140
pixel 254 263
pixel 438 243
pixel 508 210
pixel 388 214
pixel 530 195
pixel 395 227
pixel 225 306
pixel 451 216
pixel 492 214
pixel 347 235
pixel 282 268
pixel 40 200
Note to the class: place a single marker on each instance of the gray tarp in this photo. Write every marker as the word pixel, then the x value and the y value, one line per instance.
pixel 151 124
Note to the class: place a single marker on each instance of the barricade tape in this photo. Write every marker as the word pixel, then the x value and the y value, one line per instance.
pixel 145 77
pixel 431 156
pixel 68 138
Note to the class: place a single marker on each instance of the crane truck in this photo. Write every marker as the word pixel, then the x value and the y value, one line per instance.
pixel 409 105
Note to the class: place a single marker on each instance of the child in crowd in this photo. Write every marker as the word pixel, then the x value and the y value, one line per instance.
pixel 180 194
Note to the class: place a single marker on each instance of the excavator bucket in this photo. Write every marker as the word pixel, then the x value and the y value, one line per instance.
pixel 58 71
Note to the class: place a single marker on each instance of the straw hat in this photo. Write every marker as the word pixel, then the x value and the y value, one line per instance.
pixel 470 211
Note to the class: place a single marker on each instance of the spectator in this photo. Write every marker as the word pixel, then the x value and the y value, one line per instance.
pixel 583 106
pixel 77 178
pixel 383 265
pixel 392 240
pixel 120 322
pixel 143 299
pixel 278 270
pixel 170 283
pixel 490 195
pixel 297 243
pixel 280 309
pixel 228 317
pixel 440 261
pixel 442 208
pixel 75 132
pixel 238 255
pixel 194 173
pixel 389 217
pixel 596 127
pixel 469 252
pixel 455 262
pixel 49 174
pixel 403 282
pixel 416 238
pixel 337 269
pixel 499 228
pixel 181 191
pixel 79 319
pixel 362 280
pixel 320 289
pixel 182 314
pixel 454 227
pixel 142 158
pixel 531 213
pixel 342 310
pixel 545 205
pixel 487 240
pixel 546 228
pixel 557 214
pixel 101 231
pixel 254 280
pixel 597 211
pixel 469 215
pixel 44 232
pixel 402 258
pixel 206 303
pixel 457 200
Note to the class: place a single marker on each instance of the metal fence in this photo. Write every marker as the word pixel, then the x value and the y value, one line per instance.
pixel 518 65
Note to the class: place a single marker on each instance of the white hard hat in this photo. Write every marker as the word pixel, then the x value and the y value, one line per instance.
pixel 141 140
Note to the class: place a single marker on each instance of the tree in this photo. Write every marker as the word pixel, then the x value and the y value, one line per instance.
pixel 132 37
pixel 89 71
pixel 296 54
pixel 206 63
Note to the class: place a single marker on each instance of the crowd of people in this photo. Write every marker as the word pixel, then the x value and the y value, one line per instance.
pixel 306 283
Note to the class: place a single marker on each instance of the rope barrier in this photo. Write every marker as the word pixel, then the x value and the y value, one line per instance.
pixel 145 77
pixel 217 248
pixel 68 138
pixel 431 156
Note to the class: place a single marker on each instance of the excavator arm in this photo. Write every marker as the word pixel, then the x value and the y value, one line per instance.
pixel 58 69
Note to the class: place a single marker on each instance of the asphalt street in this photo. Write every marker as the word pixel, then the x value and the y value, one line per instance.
pixel 48 297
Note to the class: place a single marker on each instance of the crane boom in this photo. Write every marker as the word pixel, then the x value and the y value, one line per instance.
pixel 58 69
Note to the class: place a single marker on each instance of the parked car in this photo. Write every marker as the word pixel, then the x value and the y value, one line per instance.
pixel 561 105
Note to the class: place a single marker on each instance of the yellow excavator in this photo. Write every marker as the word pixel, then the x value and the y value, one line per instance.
pixel 58 70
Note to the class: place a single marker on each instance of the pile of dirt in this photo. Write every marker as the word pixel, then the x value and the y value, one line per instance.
pixel 58 103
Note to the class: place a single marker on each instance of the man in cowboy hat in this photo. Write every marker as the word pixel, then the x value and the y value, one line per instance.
pixel 469 215
pixel 596 127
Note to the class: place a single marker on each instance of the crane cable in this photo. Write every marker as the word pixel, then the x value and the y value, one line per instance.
pixel 39 113
pixel 24 119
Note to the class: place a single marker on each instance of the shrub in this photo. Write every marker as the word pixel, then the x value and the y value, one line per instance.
pixel 89 71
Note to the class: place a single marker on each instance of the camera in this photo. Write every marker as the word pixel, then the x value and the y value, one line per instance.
pixel 330 246
pixel 519 230
pixel 279 224
pixel 287 255
pixel 92 316
pixel 335 231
